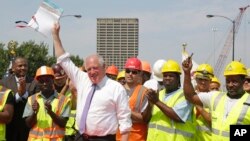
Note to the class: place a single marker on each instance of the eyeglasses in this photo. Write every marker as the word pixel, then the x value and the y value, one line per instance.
pixel 133 71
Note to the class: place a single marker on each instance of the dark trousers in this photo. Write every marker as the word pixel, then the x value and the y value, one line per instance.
pixel 83 137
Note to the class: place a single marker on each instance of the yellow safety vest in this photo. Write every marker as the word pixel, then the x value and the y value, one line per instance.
pixel 239 114
pixel 203 131
pixel 71 126
pixel 4 93
pixel 45 129
pixel 163 128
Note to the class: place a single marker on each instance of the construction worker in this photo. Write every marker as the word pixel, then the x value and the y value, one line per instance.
pixel 172 114
pixel 140 110
pixel 60 77
pixel 203 75
pixel 227 108
pixel 214 84
pixel 70 91
pixel 112 72
pixel 246 85
pixel 46 112
pixel 146 71
pixel 22 86
pixel 121 77
pixel 157 82
pixel 6 108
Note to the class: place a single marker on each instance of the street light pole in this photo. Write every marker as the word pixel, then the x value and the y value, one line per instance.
pixel 233 22
pixel 63 16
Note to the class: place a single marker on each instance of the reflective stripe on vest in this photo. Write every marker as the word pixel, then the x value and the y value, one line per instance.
pixel 203 128
pixel 223 133
pixel 72 115
pixel 216 100
pixel 47 133
pixel 170 130
pixel 243 111
pixel 139 98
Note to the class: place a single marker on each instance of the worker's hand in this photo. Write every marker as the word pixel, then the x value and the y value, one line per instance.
pixel 22 86
pixel 152 96
pixel 187 65
pixel 48 106
pixel 35 106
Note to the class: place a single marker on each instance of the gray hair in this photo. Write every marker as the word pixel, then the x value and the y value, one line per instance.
pixel 99 57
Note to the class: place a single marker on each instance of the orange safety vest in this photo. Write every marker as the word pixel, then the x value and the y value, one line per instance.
pixel 138 131
pixel 45 128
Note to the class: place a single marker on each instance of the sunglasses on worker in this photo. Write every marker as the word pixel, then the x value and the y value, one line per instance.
pixel 132 71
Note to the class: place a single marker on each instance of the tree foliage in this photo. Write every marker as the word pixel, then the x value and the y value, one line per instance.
pixel 36 54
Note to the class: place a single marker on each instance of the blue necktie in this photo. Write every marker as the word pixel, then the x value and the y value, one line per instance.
pixel 86 109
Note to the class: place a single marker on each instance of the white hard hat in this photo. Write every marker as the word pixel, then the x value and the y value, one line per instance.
pixel 157 74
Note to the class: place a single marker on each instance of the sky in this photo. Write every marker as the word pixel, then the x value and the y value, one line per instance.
pixel 164 26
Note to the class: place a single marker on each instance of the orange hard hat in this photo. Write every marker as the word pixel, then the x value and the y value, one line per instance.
pixel 133 63
pixel 146 66
pixel 44 70
pixel 112 70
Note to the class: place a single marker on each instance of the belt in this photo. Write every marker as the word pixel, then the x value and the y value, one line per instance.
pixel 111 137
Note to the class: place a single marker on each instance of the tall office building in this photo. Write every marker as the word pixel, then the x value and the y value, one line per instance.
pixel 117 39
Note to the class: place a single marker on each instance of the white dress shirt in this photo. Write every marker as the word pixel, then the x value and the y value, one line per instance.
pixel 109 107
pixel 17 96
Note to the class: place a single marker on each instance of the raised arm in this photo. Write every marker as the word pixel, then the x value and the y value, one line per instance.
pixel 188 88
pixel 59 50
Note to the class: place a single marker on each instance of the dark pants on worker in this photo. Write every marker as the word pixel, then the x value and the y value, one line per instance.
pixel 84 137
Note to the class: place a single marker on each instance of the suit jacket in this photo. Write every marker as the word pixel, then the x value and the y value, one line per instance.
pixel 17 128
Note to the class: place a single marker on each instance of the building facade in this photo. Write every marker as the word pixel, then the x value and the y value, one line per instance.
pixel 117 39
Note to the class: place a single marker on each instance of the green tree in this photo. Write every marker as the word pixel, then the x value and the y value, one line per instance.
pixel 4 61
pixel 36 54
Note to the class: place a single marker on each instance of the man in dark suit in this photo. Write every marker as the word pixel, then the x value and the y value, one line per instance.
pixel 22 87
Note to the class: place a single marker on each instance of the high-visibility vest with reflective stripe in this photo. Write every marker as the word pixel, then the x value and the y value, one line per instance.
pixel 138 131
pixel 162 128
pixel 239 114
pixel 45 128
pixel 203 130
pixel 70 126
pixel 4 93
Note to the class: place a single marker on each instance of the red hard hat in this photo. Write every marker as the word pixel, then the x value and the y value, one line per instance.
pixel 58 70
pixel 133 63
pixel 112 70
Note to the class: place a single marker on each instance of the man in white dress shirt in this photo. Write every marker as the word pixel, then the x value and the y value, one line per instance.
pixel 109 106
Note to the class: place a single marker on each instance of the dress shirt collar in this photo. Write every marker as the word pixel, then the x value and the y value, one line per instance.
pixel 102 83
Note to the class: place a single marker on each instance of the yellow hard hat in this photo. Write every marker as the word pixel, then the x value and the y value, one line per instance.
pixel 235 68
pixel 248 73
pixel 204 71
pixel 171 66
pixel 121 74
pixel 216 80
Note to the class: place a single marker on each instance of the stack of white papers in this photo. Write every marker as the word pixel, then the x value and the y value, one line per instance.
pixel 47 14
